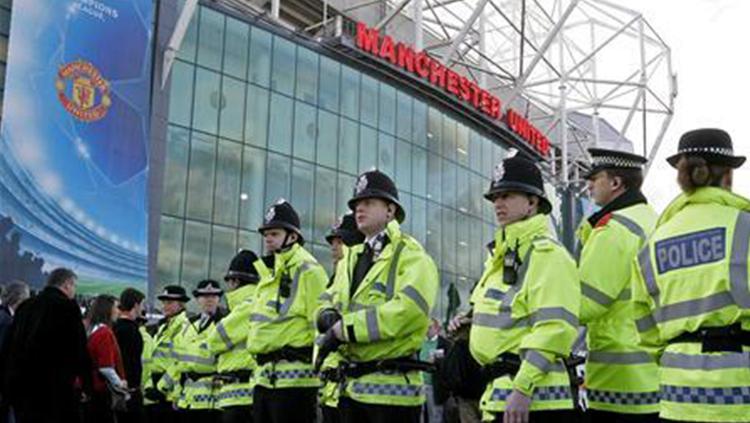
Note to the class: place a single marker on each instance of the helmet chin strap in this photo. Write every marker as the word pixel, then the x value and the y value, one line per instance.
pixel 285 246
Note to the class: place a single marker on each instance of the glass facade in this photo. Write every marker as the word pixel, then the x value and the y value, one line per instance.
pixel 254 116
pixel 4 35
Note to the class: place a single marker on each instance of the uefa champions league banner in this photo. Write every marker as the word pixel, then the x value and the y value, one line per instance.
pixel 74 142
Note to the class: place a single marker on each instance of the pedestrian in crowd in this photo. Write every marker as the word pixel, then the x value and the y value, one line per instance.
pixel 228 340
pixel 433 350
pixel 108 373
pixel 525 306
pixel 282 329
pixel 130 340
pixel 377 310
pixel 342 237
pixel 47 354
pixel 691 291
pixel 622 384
pixel 196 364
pixel 13 294
pixel 160 392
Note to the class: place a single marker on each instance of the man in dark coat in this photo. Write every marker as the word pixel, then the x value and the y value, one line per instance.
pixel 47 355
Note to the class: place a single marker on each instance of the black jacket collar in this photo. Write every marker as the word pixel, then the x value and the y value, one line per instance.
pixel 627 199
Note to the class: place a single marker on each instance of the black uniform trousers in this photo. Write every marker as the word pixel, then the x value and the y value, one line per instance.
pixel 199 416
pixel 357 412
pixel 330 414
pixel 237 414
pixel 597 416
pixel 551 416
pixel 161 413
pixel 285 405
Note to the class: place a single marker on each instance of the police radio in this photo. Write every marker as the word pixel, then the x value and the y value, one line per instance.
pixel 285 288
pixel 511 264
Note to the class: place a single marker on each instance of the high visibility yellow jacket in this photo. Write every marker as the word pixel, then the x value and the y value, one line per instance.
pixel 228 341
pixel 621 377
pixel 146 360
pixel 693 275
pixel 536 317
pixel 196 365
pixel 283 315
pixel 387 317
pixel 163 357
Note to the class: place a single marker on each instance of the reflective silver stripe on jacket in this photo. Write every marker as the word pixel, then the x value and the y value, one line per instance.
pixel 392 389
pixel 540 362
pixel 622 398
pixel 735 395
pixel 390 284
pixel 224 336
pixel 706 361
pixel 738 273
pixel 415 296
pixel 610 357
pixel 371 319
pixel 302 268
pixel 631 225
pixel 503 320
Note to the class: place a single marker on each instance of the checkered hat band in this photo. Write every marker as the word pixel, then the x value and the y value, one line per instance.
pixel 616 162
pixel 713 150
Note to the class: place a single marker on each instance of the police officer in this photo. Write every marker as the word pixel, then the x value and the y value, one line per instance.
pixel 385 290
pixel 691 292
pixel 343 235
pixel 196 364
pixel 621 378
pixel 159 390
pixel 228 339
pixel 525 306
pixel 282 329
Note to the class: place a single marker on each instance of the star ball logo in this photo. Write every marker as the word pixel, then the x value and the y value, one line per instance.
pixel 88 99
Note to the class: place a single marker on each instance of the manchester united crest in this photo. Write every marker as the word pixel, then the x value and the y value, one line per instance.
pixel 83 91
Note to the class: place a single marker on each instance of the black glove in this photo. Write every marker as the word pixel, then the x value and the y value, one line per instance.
pixel 328 344
pixel 327 318
pixel 155 395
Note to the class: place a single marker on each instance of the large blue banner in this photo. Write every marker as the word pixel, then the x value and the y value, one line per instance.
pixel 74 142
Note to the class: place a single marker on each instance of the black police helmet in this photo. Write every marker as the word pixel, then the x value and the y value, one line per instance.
pixel 603 159
pixel 518 174
pixel 173 293
pixel 281 215
pixel 714 145
pixel 207 287
pixel 346 229
pixel 376 184
pixel 242 268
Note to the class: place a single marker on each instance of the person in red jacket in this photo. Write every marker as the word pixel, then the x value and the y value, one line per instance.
pixel 108 371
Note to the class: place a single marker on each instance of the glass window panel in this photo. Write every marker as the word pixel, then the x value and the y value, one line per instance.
pixel 278 179
pixel 385 154
pixel 406 201
pixel 282 75
pixel 475 152
pixel 434 174
pixel 434 232
pixel 418 217
pixel 488 162
pixel 201 176
pixel 181 93
pixel 498 154
pixel 189 43
pixel 344 192
pixel 195 253
pixel 211 38
pixel 325 202
pixel 280 125
pixel 307 75
pixel 477 189
pixel 207 101
pixel 233 108
pixel 235 53
pixel 476 246
pixel 223 248
pixel 462 144
pixel 259 71
pixel 175 171
pixel 448 140
pixel 305 119
pixel 323 254
pixel 434 129
pixel 328 138
pixel 403 116
pixel 368 148
pixel 419 123
pixel 449 240
pixel 250 240
pixel 403 166
pixel 387 109
pixel 449 184
pixel 463 190
pixel 330 71
pixel 350 92
pixel 227 196
pixel 462 243
pixel 302 194
pixel 369 101
pixel 419 171
pixel 256 118
pixel 170 250
pixel 349 146
pixel 253 181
